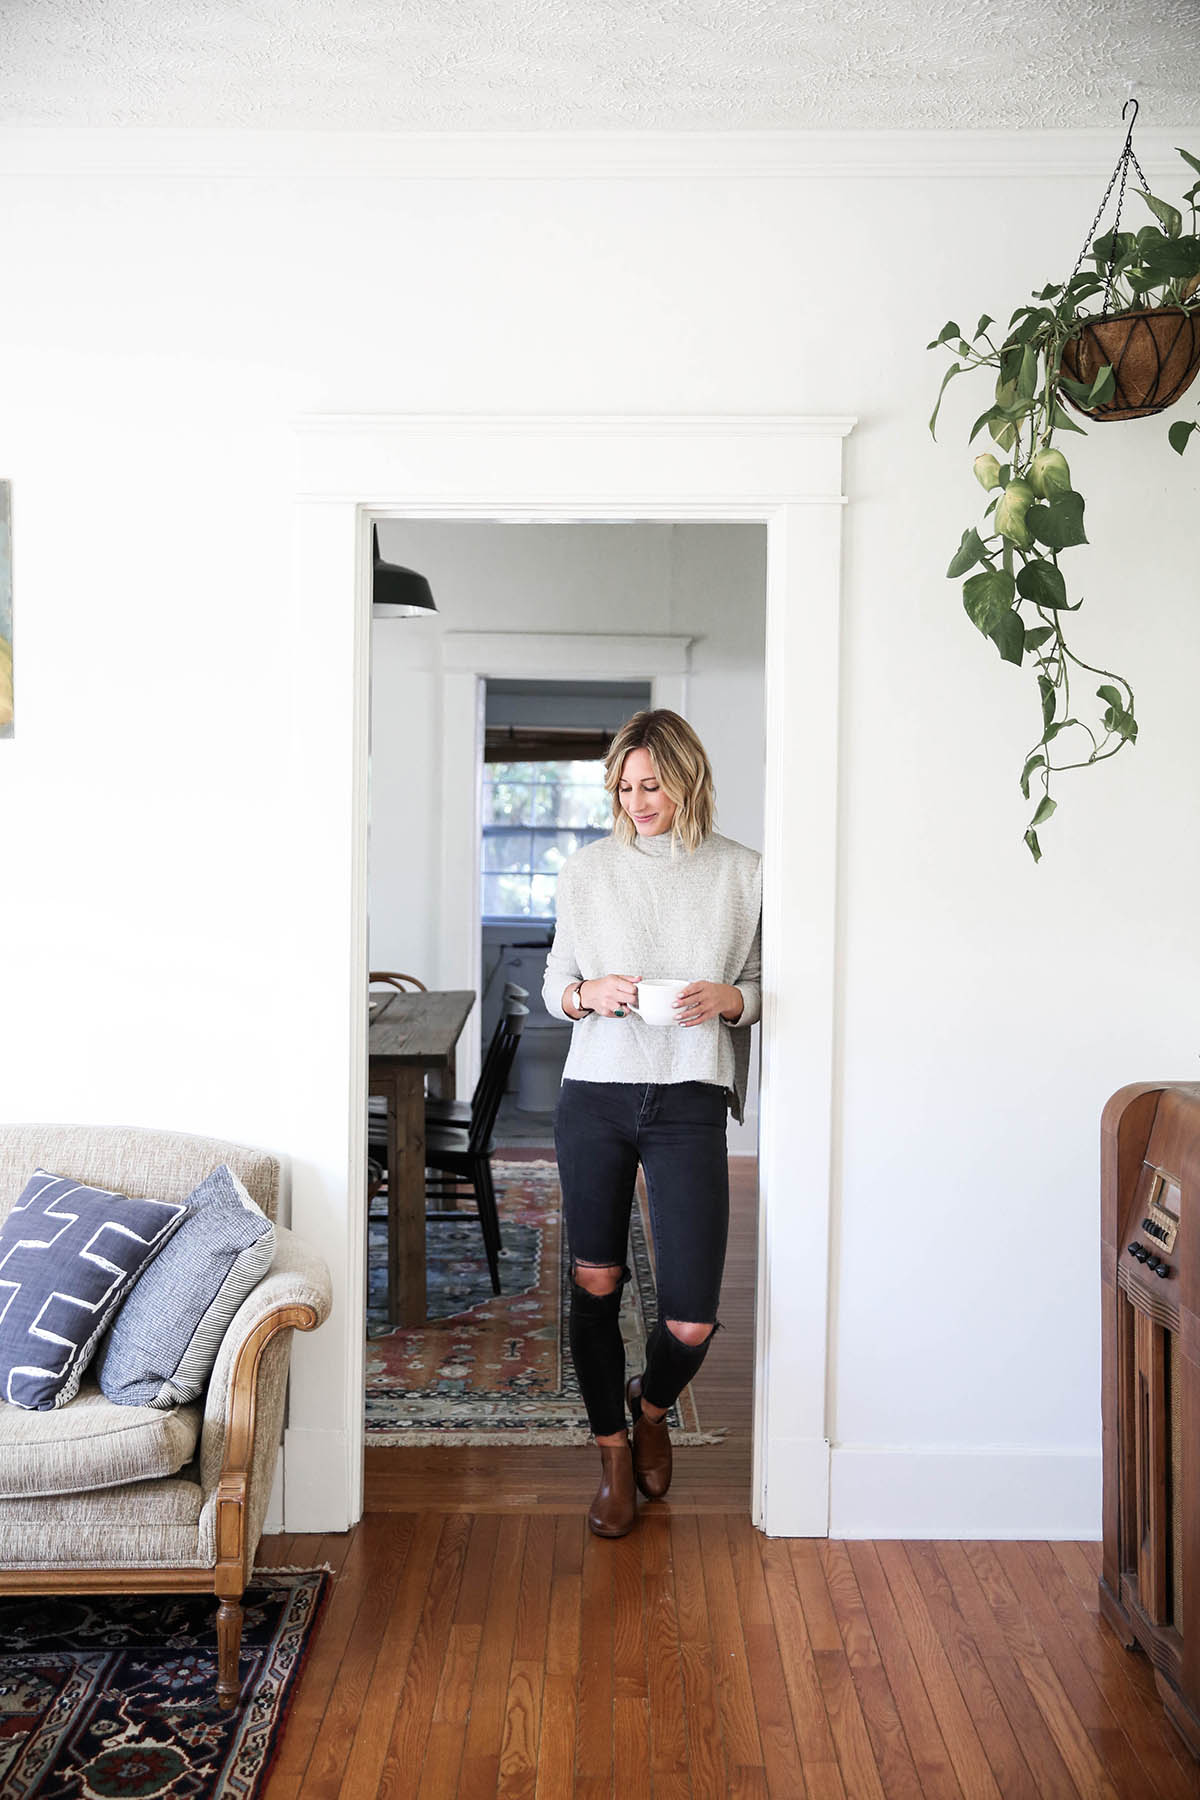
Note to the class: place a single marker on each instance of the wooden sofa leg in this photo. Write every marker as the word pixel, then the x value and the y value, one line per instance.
pixel 229 1642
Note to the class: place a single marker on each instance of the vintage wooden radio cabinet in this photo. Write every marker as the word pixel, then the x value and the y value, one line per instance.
pixel 1150 1273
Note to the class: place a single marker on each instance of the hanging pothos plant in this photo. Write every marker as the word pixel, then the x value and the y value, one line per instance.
pixel 1135 357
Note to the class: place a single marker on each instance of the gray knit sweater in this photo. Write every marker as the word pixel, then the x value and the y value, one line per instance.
pixel 651 909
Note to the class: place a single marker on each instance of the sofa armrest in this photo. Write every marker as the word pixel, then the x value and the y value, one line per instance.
pixel 244 1404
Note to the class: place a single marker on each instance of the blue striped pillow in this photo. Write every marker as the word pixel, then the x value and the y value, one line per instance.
pixel 164 1340
pixel 69 1254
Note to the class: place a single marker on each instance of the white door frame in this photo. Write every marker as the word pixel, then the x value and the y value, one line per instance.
pixel 782 471
pixel 469 659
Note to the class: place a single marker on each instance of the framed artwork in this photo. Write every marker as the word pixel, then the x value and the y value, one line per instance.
pixel 6 654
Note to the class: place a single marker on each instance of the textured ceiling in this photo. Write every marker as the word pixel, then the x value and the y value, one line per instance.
pixel 623 65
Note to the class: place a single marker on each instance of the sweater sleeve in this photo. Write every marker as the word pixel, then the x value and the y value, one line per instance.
pixel 562 964
pixel 749 983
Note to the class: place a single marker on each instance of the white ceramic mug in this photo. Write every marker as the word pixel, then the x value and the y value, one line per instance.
pixel 656 999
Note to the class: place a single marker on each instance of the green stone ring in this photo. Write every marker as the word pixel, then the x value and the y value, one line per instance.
pixel 618 1012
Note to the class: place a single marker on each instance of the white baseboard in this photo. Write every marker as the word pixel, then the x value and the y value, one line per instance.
pixel 316 1485
pixel 934 1493
pixel 796 1488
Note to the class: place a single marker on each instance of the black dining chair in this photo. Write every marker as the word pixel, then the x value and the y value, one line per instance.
pixel 458 1112
pixel 461 1155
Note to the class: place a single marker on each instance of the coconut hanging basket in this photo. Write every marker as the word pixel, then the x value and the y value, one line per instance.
pixel 1154 357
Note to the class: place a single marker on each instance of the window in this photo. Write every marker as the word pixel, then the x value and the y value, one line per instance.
pixel 534 815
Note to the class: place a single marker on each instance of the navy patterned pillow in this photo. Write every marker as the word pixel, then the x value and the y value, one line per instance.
pixel 69 1254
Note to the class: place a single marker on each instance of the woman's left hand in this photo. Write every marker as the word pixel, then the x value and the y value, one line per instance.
pixel 701 1001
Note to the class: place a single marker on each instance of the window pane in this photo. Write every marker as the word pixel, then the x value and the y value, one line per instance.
pixel 507 803
pixel 542 890
pixel 572 805
pixel 552 848
pixel 522 772
pixel 510 850
pixel 505 896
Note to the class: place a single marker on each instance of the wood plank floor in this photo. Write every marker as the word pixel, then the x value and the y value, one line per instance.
pixel 479 1643
pixel 471 1656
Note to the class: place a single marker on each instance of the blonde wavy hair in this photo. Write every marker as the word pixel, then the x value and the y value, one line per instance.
pixel 681 765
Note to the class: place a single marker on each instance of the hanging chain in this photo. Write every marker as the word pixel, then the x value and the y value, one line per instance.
pixel 1122 169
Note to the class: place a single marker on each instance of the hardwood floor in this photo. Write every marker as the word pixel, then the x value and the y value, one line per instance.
pixel 479 1643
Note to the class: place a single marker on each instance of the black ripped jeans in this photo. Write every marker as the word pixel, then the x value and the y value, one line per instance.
pixel 602 1130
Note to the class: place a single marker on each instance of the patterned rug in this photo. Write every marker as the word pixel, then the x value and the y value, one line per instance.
pixel 115 1694
pixel 496 1369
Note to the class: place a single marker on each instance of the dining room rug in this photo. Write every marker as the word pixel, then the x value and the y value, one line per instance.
pixel 115 1694
pixel 496 1369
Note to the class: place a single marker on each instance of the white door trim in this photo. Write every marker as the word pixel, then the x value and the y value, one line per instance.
pixel 781 470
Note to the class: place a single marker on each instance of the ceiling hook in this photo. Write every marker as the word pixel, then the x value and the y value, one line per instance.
pixel 1132 101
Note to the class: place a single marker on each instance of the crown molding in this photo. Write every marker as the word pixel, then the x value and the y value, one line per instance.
pixel 167 154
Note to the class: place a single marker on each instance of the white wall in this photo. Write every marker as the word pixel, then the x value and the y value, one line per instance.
pixel 161 805
pixel 701 580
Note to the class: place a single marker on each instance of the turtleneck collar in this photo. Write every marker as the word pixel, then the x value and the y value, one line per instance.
pixel 660 846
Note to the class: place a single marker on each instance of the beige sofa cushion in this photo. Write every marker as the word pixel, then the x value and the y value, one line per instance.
pixel 92 1444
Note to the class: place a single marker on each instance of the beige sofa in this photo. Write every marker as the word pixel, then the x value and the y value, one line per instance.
pixel 96 1497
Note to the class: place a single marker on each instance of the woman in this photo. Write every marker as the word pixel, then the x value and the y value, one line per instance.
pixel 664 896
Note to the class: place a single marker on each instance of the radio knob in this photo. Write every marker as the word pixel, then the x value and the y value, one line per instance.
pixel 1134 1248
pixel 1141 1252
pixel 1152 1264
pixel 1163 1269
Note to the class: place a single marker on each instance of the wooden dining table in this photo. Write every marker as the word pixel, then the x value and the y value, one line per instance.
pixel 409 1034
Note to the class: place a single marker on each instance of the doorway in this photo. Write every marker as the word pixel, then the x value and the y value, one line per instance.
pixel 781 472
pixel 470 865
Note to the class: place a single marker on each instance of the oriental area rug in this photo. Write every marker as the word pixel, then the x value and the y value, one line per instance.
pixel 496 1368
pixel 116 1694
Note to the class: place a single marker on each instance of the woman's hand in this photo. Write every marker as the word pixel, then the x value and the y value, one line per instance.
pixel 612 996
pixel 701 1001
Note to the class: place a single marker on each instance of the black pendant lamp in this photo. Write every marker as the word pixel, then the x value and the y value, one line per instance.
pixel 397 593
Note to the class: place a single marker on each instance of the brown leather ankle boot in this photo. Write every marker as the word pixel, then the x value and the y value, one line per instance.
pixel 614 1509
pixel 651 1445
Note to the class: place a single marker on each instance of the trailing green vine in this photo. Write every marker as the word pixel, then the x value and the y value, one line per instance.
pixel 1017 595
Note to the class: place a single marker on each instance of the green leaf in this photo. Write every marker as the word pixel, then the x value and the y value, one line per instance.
pixel 985 319
pixel 1008 635
pixel 1037 635
pixel 1042 583
pixel 1171 258
pixel 1036 761
pixel 1027 378
pixel 987 597
pixel 1110 695
pixel 949 330
pixel 1062 421
pixel 1180 432
pixel 951 372
pixel 1052 292
pixel 1003 432
pixel 1046 808
pixel 1122 722
pixel 1189 158
pixel 1168 216
pixel 1035 849
pixel 969 552
pixel 1103 388
pixel 1059 524
pixel 1052 731
pixel 1046 689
